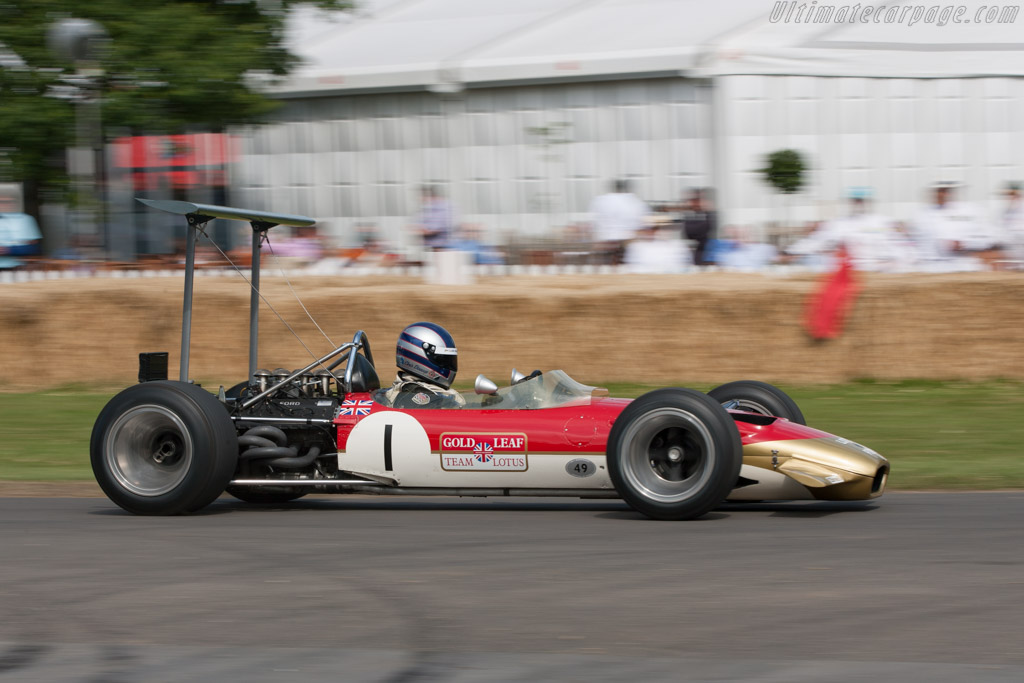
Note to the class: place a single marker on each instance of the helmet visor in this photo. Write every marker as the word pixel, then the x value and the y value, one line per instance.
pixel 443 360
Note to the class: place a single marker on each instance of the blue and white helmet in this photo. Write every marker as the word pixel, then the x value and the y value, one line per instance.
pixel 427 351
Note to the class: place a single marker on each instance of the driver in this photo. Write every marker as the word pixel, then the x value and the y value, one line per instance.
pixel 427 362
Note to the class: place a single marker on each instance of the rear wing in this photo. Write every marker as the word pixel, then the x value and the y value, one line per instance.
pixel 197 216
pixel 201 213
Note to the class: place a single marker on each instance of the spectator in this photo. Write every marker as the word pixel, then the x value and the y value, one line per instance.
pixel 617 216
pixel 470 239
pixel 949 235
pixel 738 251
pixel 700 223
pixel 869 238
pixel 657 249
pixel 19 237
pixel 808 250
pixel 304 248
pixel 366 233
pixel 1012 222
pixel 436 219
pixel 904 249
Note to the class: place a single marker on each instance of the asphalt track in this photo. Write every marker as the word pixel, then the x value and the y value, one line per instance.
pixel 925 587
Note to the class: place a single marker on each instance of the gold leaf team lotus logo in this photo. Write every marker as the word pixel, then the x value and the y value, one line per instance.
pixel 483 452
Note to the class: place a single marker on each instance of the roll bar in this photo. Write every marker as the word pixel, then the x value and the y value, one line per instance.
pixel 358 341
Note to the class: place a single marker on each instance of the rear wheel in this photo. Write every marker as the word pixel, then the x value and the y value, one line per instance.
pixel 674 454
pixel 163 448
pixel 758 397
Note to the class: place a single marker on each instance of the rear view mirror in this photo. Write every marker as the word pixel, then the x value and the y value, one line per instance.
pixel 484 386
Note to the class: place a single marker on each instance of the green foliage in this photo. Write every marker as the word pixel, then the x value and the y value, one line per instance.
pixel 32 128
pixel 784 170
pixel 170 65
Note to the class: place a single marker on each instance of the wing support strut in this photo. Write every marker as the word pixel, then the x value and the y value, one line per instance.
pixel 198 215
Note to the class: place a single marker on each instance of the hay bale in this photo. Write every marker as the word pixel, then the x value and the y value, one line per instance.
pixel 706 327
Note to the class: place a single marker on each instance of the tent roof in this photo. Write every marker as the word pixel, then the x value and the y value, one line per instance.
pixel 901 44
pixel 450 44
pixel 447 45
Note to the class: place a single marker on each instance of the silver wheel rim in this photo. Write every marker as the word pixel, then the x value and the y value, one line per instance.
pixel 148 450
pixel 668 455
pixel 747 406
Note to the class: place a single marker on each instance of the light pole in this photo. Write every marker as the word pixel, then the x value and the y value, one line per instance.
pixel 82 42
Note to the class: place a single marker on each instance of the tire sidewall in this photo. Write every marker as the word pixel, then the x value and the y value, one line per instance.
pixel 213 440
pixel 723 469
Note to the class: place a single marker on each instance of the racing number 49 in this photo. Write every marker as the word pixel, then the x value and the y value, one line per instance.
pixel 579 467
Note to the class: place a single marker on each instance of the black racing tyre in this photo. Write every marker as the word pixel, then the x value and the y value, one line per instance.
pixel 758 397
pixel 674 454
pixel 163 448
pixel 265 495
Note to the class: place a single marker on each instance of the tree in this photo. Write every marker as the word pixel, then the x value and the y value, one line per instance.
pixel 170 65
pixel 784 170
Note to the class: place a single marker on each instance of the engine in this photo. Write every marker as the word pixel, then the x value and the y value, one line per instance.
pixel 288 435
pixel 309 384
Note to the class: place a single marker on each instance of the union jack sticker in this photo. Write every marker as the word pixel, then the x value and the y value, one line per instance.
pixel 355 407
pixel 483 451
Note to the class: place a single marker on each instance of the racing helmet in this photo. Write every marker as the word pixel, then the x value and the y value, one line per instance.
pixel 427 351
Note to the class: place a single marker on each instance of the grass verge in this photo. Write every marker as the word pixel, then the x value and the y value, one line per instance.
pixel 938 435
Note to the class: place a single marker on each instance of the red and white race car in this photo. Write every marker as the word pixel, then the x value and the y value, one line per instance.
pixel 171 447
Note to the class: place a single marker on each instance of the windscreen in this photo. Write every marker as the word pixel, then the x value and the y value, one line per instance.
pixel 549 390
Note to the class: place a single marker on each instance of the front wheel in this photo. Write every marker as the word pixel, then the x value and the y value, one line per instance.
pixel 674 454
pixel 758 397
pixel 163 448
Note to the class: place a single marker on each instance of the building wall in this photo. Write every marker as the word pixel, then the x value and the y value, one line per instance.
pixel 895 135
pixel 362 158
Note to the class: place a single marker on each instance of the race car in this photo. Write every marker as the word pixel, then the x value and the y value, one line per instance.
pixel 166 447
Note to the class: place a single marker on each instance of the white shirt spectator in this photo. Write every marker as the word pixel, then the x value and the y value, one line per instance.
pixel 1012 220
pixel 870 239
pixel 660 252
pixel 617 216
pixel 945 235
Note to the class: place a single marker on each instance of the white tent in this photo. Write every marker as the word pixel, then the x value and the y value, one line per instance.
pixel 423 43
pixel 894 98
pixel 464 43
pixel 881 40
